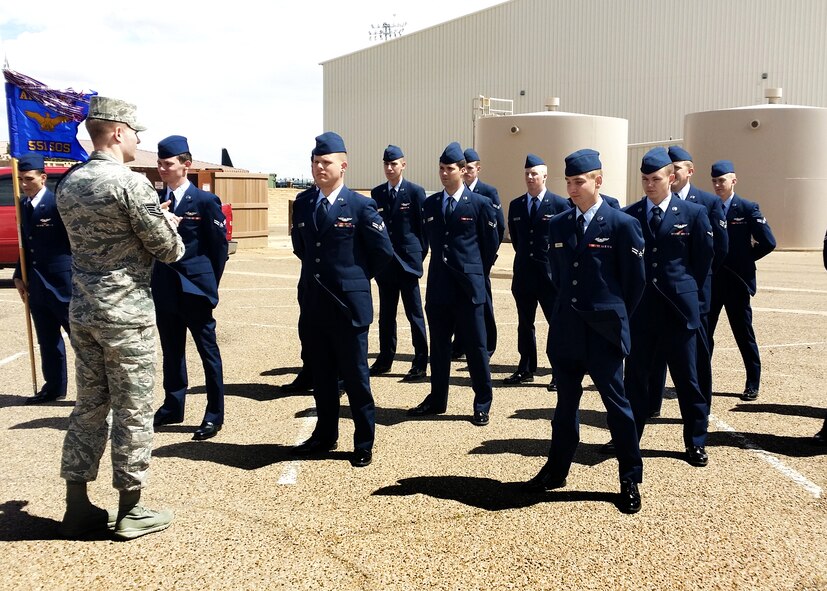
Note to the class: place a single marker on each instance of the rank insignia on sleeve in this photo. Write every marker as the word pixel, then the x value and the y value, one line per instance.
pixel 378 226
pixel 637 253
pixel 218 223
pixel 722 223
pixel 154 209
pixel 709 233
pixel 762 221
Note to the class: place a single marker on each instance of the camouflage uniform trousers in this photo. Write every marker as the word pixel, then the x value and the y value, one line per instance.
pixel 115 369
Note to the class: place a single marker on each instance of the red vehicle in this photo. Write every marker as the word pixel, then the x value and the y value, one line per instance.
pixel 9 251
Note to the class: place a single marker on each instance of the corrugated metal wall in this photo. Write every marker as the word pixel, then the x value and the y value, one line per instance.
pixel 648 61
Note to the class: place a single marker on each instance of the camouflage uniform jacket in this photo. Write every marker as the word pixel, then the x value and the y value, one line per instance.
pixel 116 230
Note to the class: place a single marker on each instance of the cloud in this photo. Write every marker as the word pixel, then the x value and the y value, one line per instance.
pixel 240 75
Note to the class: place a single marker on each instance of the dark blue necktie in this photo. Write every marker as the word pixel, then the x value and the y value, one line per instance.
pixel 321 212
pixel 449 208
pixel 393 196
pixel 535 205
pixel 581 227
pixel 654 222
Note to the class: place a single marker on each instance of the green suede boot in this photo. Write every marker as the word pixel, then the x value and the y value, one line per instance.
pixel 135 521
pixel 82 517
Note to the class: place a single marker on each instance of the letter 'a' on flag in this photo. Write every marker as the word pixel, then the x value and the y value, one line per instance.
pixel 44 120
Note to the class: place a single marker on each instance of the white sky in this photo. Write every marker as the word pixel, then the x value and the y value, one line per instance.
pixel 239 74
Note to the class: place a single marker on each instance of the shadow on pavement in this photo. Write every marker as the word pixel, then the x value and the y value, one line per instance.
pixel 244 457
pixel 792 447
pixel 588 454
pixel 485 493
pixel 797 410
pixel 59 423
pixel 20 400
pixel 17 525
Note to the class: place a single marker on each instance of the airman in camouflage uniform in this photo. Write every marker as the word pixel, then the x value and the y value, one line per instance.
pixel 116 228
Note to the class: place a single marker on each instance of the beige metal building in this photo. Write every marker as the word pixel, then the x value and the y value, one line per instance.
pixel 648 61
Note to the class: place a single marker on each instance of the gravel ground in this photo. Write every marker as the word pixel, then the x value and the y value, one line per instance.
pixel 440 507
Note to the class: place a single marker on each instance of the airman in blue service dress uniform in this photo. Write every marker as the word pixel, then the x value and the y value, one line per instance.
pixel 461 228
pixel 678 256
pixel 49 273
pixel 475 185
pixel 186 292
pixel 342 243
pixel 531 284
pixel 684 169
pixel 733 283
pixel 400 203
pixel 596 263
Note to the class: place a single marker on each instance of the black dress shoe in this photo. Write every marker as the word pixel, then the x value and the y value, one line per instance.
pixel 414 375
pixel 655 414
pixel 162 418
pixel 207 430
pixel 696 455
pixel 302 383
pixel 377 369
pixel 552 385
pixel 519 377
pixel 820 438
pixel 542 482
pixel 425 408
pixel 314 446
pixel 480 418
pixel 749 394
pixel 457 355
pixel 629 499
pixel 44 396
pixel 361 458
pixel 608 448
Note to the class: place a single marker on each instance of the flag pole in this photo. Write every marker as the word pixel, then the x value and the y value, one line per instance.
pixel 23 271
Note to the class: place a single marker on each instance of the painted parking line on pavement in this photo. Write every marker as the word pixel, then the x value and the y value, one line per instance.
pixel 773 461
pixel 11 358
pixel 791 311
pixel 290 473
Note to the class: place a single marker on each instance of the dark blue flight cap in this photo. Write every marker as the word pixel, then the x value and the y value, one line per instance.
pixel 655 159
pixel 471 155
pixel 722 167
pixel 172 146
pixel 392 153
pixel 452 154
pixel 582 161
pixel 30 161
pixel 329 142
pixel 678 154
pixel 533 160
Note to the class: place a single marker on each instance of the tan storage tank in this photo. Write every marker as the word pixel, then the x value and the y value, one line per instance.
pixel 504 141
pixel 779 153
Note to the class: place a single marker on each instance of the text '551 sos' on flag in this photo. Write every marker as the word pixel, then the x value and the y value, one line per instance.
pixel 42 119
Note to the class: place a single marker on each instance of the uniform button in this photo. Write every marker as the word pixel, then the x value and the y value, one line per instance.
pixel 573 300
pixel 654 264
pixel 655 280
pixel 446 233
pixel 318 244
pixel 574 282
pixel 576 264
pixel 531 242
pixel 654 249
pixel 444 259
pixel 445 246
pixel 531 231
pixel 317 260
pixel 389 232
pixel 316 275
